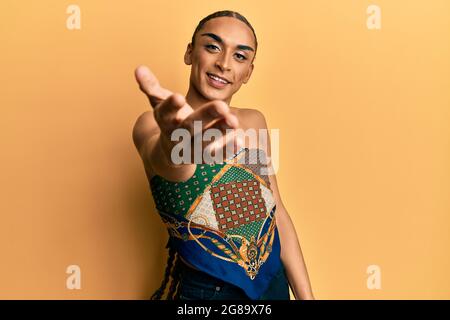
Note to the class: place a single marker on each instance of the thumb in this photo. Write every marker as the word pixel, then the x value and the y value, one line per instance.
pixel 149 84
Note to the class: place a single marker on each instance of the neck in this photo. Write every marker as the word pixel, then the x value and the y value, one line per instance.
pixel 196 100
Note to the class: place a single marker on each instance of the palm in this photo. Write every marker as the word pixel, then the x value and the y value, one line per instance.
pixel 171 111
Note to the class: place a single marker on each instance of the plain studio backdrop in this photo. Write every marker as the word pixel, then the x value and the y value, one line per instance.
pixel 363 114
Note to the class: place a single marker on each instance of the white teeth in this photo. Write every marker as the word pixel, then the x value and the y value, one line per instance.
pixel 216 78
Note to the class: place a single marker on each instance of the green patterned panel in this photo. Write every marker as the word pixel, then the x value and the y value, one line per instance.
pixel 177 197
pixel 235 174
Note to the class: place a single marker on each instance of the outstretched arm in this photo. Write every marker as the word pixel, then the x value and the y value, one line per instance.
pixel 153 131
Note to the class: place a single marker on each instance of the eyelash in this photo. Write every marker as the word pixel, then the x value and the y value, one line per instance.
pixel 211 45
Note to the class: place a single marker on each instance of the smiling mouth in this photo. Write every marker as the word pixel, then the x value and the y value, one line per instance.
pixel 217 78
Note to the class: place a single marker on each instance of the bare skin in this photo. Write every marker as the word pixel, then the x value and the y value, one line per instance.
pixel 211 104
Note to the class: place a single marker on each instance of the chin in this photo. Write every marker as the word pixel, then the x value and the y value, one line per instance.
pixel 212 94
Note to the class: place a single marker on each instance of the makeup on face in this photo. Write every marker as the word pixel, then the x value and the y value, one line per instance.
pixel 223 56
pixel 214 45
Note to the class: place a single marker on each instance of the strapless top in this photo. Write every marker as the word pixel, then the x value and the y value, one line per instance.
pixel 222 220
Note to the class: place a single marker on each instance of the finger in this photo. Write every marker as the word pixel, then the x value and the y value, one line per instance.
pixel 210 115
pixel 149 84
pixel 224 147
pixel 223 125
pixel 172 111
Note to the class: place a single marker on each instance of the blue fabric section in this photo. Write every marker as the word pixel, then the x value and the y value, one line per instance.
pixel 198 285
pixel 231 272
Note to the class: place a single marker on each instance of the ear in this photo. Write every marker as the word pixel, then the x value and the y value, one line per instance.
pixel 250 70
pixel 187 55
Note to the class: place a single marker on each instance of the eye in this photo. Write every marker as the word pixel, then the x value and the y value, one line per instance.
pixel 241 57
pixel 211 46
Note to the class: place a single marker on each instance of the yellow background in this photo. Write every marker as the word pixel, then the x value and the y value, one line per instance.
pixel 364 141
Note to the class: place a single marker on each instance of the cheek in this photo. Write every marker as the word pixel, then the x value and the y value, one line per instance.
pixel 204 59
pixel 242 74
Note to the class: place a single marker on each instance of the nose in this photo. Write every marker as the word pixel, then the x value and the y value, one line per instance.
pixel 223 62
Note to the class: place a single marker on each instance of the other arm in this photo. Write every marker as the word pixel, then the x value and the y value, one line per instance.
pixel 291 252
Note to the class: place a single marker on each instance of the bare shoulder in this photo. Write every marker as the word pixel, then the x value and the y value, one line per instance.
pixel 250 118
pixel 254 119
pixel 144 127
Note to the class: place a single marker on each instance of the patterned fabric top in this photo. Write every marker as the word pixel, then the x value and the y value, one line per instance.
pixel 221 220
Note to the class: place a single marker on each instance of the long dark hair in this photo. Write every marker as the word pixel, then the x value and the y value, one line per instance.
pixel 224 13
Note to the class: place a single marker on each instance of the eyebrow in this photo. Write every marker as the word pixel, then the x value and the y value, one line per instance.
pixel 219 39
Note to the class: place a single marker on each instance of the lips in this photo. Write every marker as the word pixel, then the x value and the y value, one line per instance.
pixel 216 82
pixel 218 78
